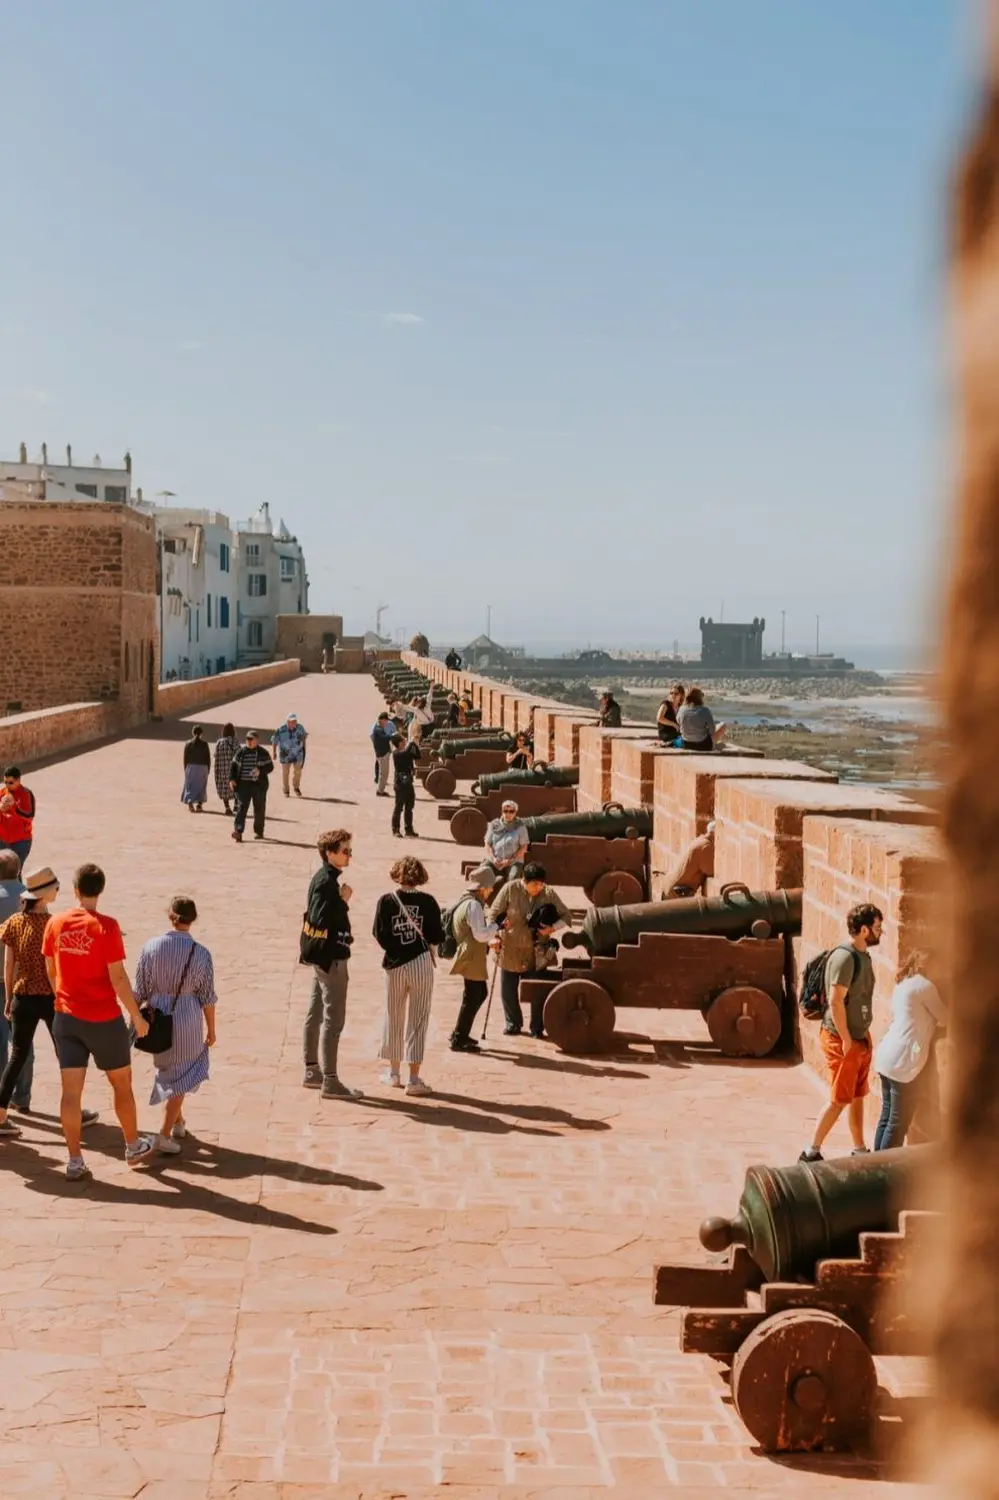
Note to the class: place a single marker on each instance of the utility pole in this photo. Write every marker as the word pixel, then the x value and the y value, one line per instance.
pixel 783 614
pixel 489 620
pixel 378 619
pixel 816 635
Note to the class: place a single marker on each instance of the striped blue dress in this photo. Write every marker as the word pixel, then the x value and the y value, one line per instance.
pixel 184 1068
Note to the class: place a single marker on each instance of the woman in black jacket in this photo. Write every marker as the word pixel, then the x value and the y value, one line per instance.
pixel 197 764
pixel 407 928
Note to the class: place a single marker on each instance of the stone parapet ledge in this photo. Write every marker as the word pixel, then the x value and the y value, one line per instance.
pixel 174 699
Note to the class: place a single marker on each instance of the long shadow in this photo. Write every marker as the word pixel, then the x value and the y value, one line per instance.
pixel 339 801
pixel 686 1054
pixel 41 1176
pixel 561 1063
pixel 542 1112
pixel 453 1119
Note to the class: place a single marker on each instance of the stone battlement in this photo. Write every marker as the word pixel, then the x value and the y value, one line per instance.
pixel 778 823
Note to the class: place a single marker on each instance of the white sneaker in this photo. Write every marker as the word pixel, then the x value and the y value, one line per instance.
pixel 392 1079
pixel 139 1154
pixel 168 1147
pixel 179 1131
pixel 418 1086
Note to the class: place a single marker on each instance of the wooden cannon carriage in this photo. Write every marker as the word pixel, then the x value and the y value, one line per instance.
pixel 725 956
pixel 800 1332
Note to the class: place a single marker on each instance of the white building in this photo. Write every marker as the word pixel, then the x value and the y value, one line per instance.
pixel 197 589
pixel 271 581
pixel 69 481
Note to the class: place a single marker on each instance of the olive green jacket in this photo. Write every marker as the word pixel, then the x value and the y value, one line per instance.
pixel 470 960
pixel 513 902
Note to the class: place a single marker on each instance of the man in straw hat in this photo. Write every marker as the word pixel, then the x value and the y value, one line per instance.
pixel 29 998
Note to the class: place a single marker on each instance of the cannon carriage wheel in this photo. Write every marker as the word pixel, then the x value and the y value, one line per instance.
pixel 744 1021
pixel 441 782
pixel 615 888
pixel 468 826
pixel 805 1380
pixel 579 1016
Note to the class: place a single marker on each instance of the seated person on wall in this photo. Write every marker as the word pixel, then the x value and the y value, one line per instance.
pixel 609 711
pixel 666 721
pixel 507 843
pixel 691 875
pixel 522 908
pixel 521 757
pixel 698 730
pixel 453 661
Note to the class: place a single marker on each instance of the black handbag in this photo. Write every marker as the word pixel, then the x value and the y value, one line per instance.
pixel 159 1037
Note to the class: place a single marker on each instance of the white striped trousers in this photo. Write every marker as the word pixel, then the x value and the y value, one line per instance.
pixel 405 1032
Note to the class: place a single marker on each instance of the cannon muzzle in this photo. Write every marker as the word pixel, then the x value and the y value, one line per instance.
pixel 789 1218
pixel 541 775
pixel 614 822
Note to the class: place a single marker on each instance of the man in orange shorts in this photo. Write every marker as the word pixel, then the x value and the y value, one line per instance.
pixel 846 1029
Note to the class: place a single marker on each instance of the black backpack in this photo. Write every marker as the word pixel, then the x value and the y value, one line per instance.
pixel 448 946
pixel 812 1000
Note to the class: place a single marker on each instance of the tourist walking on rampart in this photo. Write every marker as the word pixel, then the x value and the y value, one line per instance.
pixel 325 945
pixel 506 842
pixel 848 995
pixel 404 758
pixel 289 742
pixel 29 999
pixel 225 749
pixel 382 735
pixel 197 764
pixel 472 934
pixel 17 815
pixel 176 975
pixel 421 719
pixel 513 910
pixel 407 927
pixel 452 713
pixel 248 779
pixel 904 1058
pixel 11 891
pixel 85 959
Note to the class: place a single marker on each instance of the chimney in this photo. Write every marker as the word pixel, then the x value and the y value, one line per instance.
pixel 23 454
pixel 69 455
pixel 138 495
pixel 97 460
pixel 45 453
pixel 128 462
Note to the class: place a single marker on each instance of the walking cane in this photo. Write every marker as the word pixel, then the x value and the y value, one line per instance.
pixel 492 986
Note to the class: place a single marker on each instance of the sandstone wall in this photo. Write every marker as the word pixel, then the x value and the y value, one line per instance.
pixel 596 746
pixel 303 636
pixel 175 699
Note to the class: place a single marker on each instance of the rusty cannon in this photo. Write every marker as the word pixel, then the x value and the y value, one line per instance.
pixel 464 760
pixel 807 1293
pixel 725 956
pixel 472 816
pixel 606 852
pixel 516 780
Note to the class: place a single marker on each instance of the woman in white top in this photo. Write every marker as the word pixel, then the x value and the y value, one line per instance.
pixel 904 1056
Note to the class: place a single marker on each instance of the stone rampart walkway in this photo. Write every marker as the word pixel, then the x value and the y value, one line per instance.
pixel 404 1297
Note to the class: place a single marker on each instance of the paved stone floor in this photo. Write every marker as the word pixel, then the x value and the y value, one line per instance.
pixel 401 1297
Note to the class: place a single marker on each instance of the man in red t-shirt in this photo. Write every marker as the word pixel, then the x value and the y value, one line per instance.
pixel 85 959
pixel 17 812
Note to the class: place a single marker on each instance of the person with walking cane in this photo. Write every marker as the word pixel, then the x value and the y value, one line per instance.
pixel 473 935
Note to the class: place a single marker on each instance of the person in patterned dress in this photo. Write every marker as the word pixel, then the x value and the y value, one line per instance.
pixel 225 749
pixel 176 975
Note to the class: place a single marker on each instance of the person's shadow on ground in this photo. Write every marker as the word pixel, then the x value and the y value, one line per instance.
pixel 172 1181
pixel 444 1112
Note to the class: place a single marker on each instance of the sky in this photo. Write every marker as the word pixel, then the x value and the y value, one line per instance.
pixel 607 314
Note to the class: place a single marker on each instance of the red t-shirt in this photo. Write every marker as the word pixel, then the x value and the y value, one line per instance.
pixel 83 943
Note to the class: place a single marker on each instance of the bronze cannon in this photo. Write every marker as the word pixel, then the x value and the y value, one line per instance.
pixel 808 1292
pixel 656 958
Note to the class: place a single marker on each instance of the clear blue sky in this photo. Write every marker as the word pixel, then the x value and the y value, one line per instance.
pixel 601 313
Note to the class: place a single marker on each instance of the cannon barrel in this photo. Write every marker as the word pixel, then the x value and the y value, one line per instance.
pixel 468 735
pixel 539 776
pixel 737 912
pixel 614 822
pixel 791 1217
pixel 449 748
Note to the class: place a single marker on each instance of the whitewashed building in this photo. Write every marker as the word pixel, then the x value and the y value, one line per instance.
pixel 198 610
pixel 271 581
pixel 45 480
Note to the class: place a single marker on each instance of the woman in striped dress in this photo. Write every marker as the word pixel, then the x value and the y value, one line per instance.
pixel 407 928
pixel 225 749
pixel 175 974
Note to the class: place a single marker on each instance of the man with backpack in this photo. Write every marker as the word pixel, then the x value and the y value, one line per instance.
pixel 382 734
pixel 467 936
pixel 838 986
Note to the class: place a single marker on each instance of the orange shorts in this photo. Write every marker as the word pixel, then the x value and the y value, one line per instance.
pixel 849 1076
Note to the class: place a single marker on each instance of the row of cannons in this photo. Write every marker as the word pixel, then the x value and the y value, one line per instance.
pixel 805 1284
